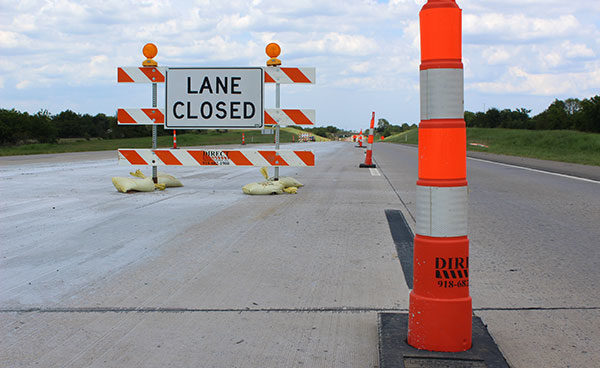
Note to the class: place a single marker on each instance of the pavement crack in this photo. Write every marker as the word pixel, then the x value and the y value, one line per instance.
pixel 199 310
pixel 483 309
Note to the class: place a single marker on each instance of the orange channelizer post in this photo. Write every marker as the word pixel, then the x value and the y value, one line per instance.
pixel 174 139
pixel 243 139
pixel 440 307
pixel 369 156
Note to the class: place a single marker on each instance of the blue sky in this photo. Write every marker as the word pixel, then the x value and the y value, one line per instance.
pixel 61 54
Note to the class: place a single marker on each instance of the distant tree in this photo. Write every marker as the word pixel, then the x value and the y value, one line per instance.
pixel 469 118
pixel 382 124
pixel 588 119
pixel 572 106
pixel 554 117
pixel 43 129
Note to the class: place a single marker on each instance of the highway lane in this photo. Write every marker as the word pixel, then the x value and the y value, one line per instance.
pixel 196 276
pixel 206 274
pixel 534 256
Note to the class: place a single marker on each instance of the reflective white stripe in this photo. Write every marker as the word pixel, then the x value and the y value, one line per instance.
pixel 441 211
pixel 442 94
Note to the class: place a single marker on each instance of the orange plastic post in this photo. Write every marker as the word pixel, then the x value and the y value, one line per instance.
pixel 369 156
pixel 440 308
pixel 243 139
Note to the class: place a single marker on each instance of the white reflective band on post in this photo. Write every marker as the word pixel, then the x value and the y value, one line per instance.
pixel 441 211
pixel 442 94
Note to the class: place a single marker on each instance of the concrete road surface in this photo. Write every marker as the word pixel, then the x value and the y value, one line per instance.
pixel 206 276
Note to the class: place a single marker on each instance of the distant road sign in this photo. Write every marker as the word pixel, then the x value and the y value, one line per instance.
pixel 214 98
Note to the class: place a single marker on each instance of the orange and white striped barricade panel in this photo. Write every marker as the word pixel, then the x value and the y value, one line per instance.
pixel 146 116
pixel 152 116
pixel 285 117
pixel 215 157
pixel 287 75
pixel 146 74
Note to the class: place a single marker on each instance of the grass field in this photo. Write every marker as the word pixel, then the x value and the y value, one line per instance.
pixel 189 139
pixel 556 145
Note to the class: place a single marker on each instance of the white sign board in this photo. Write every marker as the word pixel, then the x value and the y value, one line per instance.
pixel 214 98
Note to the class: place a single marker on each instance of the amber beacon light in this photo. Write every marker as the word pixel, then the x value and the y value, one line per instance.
pixel 150 50
pixel 440 307
pixel 273 50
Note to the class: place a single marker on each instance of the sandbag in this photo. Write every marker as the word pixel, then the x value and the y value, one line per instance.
pixel 291 190
pixel 169 181
pixel 129 184
pixel 265 187
pixel 288 181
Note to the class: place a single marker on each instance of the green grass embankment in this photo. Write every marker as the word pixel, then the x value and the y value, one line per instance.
pixel 555 145
pixel 183 140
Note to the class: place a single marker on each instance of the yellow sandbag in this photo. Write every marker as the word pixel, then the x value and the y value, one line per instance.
pixel 138 174
pixel 288 181
pixel 169 181
pixel 128 184
pixel 265 187
pixel 291 190
pixel 264 172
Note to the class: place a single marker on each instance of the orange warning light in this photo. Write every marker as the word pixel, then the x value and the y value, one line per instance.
pixel 273 50
pixel 150 50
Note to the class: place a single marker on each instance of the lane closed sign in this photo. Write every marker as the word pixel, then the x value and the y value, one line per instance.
pixel 214 98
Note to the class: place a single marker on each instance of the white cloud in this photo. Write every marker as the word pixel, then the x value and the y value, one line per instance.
pixel 342 44
pixel 578 50
pixel 497 55
pixel 536 47
pixel 518 27
pixel 517 80
pixel 9 39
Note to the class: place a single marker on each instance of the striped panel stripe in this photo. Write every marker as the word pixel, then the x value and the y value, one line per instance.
pixel 285 117
pixel 441 211
pixel 147 116
pixel 442 94
pixel 134 74
pixel 208 157
pixel 286 75
pixel 151 116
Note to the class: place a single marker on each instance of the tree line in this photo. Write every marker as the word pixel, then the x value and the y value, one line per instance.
pixel 570 114
pixel 21 127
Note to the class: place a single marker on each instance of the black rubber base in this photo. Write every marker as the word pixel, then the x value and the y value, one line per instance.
pixel 394 351
pixel 365 165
